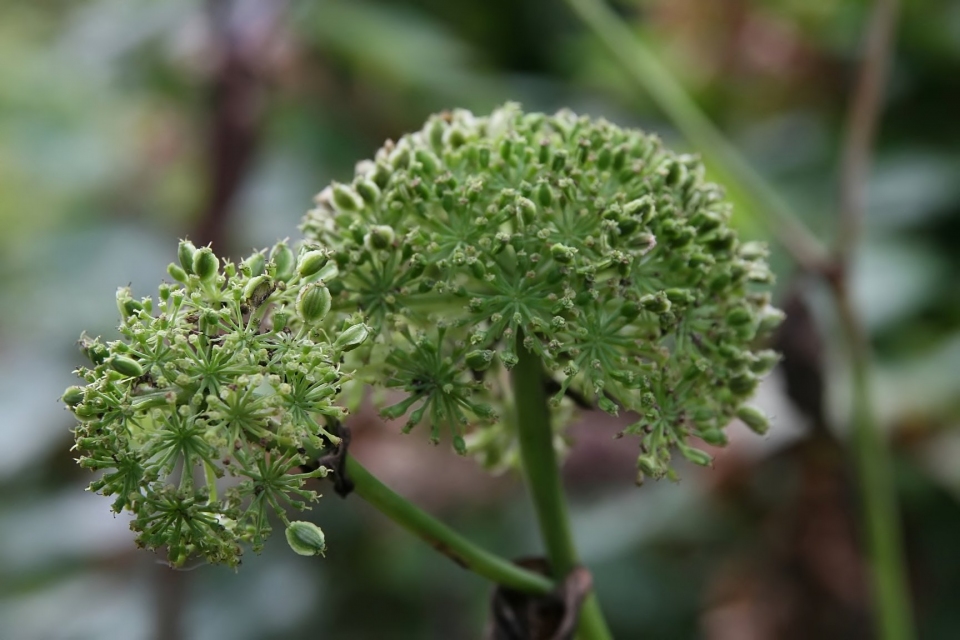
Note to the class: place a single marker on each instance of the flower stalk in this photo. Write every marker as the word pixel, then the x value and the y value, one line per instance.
pixel 542 474
pixel 441 537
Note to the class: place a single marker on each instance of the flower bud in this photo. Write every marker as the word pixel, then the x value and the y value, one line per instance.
pixel 313 303
pixel 743 383
pixel 346 199
pixel 126 366
pixel 205 264
pixel 739 316
pixel 255 264
pixel 185 255
pixel 306 538
pixel 656 303
pixel 368 190
pixel 72 396
pixel 755 419
pixel 526 209
pixel 544 194
pixel 351 338
pixel 258 289
pixel 311 262
pixel 380 237
pixel 284 262
pixel 696 456
pixel 177 273
pixel 428 160
pixel 562 253
pixel 479 360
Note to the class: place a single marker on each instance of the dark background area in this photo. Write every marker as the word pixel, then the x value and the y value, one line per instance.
pixel 126 124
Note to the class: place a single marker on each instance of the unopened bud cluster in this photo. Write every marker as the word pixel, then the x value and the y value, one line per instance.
pixel 201 415
pixel 606 255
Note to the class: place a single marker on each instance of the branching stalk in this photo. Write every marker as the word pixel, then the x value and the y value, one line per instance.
pixel 543 481
pixel 441 537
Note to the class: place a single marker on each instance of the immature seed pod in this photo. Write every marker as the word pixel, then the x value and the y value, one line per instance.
pixel 258 289
pixel 177 273
pixel 311 262
pixel 313 303
pixel 185 253
pixel 283 261
pixel 379 237
pixel 205 264
pixel 255 264
pixel 562 253
pixel 351 338
pixel 368 190
pixel 126 366
pixel 755 419
pixel 479 360
pixel 346 199
pixel 306 538
pixel 73 396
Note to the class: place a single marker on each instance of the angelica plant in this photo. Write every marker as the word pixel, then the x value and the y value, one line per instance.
pixel 489 269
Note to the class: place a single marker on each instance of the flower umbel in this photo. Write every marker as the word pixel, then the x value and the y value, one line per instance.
pixel 202 414
pixel 606 255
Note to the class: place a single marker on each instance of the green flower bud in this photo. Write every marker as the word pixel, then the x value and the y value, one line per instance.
pixel 351 338
pixel 642 208
pixel 743 383
pixel 73 396
pixel 656 303
pixel 185 253
pixel 255 264
pixel 544 194
pixel 770 319
pixel 311 262
pixel 177 273
pixel 714 436
pixel 368 190
pixel 126 366
pixel 380 237
pixel 739 316
pixel 526 209
pixel 281 317
pixel 346 199
pixel 284 262
pixel 205 264
pixel 306 538
pixel 562 253
pixel 313 303
pixel 479 360
pixel 765 361
pixel 755 419
pixel 696 456
pixel 428 160
pixel 258 289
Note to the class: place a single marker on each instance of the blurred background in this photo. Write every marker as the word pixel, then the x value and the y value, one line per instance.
pixel 126 124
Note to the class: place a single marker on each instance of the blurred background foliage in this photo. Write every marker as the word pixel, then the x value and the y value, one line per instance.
pixel 125 124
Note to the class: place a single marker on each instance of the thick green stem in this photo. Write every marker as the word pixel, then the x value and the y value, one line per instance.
pixel 543 480
pixel 441 537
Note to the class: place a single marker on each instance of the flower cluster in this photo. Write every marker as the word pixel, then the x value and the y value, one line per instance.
pixel 202 414
pixel 606 255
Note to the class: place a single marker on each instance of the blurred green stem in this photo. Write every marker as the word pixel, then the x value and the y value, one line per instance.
pixel 441 537
pixel 892 604
pixel 543 481
pixel 877 488
pixel 643 67
pixel 874 461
